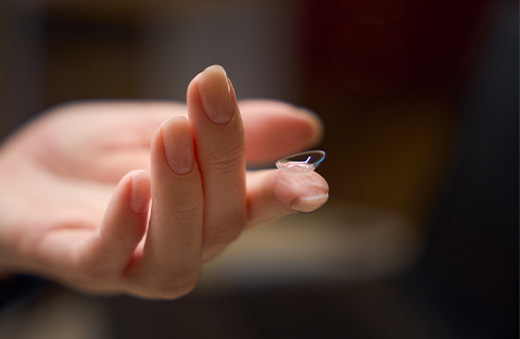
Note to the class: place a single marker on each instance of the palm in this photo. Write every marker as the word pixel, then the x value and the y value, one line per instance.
pixel 71 182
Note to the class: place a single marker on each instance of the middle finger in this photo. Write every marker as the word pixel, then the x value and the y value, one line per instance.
pixel 219 137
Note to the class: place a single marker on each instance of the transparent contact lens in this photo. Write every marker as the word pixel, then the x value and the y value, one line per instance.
pixel 301 162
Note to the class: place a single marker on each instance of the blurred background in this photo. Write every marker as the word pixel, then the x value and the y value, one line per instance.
pixel 419 101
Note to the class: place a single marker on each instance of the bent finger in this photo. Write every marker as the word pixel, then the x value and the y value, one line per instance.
pixel 172 252
pixel 110 249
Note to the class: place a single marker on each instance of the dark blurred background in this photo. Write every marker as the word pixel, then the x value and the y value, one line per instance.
pixel 419 101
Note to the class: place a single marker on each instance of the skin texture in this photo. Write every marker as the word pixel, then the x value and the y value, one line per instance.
pixel 133 197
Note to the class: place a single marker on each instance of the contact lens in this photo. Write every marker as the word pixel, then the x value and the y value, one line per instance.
pixel 301 162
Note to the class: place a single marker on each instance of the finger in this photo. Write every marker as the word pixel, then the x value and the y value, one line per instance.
pixel 219 136
pixel 110 249
pixel 274 129
pixel 272 194
pixel 172 251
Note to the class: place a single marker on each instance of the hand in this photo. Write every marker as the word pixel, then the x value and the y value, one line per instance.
pixel 59 174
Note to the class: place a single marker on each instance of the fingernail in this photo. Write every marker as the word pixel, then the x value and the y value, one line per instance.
pixel 139 201
pixel 309 204
pixel 216 95
pixel 178 145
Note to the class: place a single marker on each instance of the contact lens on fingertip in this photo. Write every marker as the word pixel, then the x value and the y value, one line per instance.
pixel 301 162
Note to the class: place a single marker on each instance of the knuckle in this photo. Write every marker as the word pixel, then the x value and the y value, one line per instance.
pixel 186 213
pixel 228 161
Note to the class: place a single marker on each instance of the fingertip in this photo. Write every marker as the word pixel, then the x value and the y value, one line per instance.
pixel 129 205
pixel 273 194
pixel 303 192
pixel 193 86
pixel 212 91
pixel 315 124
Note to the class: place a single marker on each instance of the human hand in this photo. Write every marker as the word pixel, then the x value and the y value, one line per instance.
pixel 59 174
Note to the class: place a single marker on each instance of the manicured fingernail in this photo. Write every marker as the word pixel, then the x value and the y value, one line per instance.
pixel 139 196
pixel 178 144
pixel 216 95
pixel 309 204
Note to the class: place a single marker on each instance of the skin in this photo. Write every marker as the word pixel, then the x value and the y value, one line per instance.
pixel 133 197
